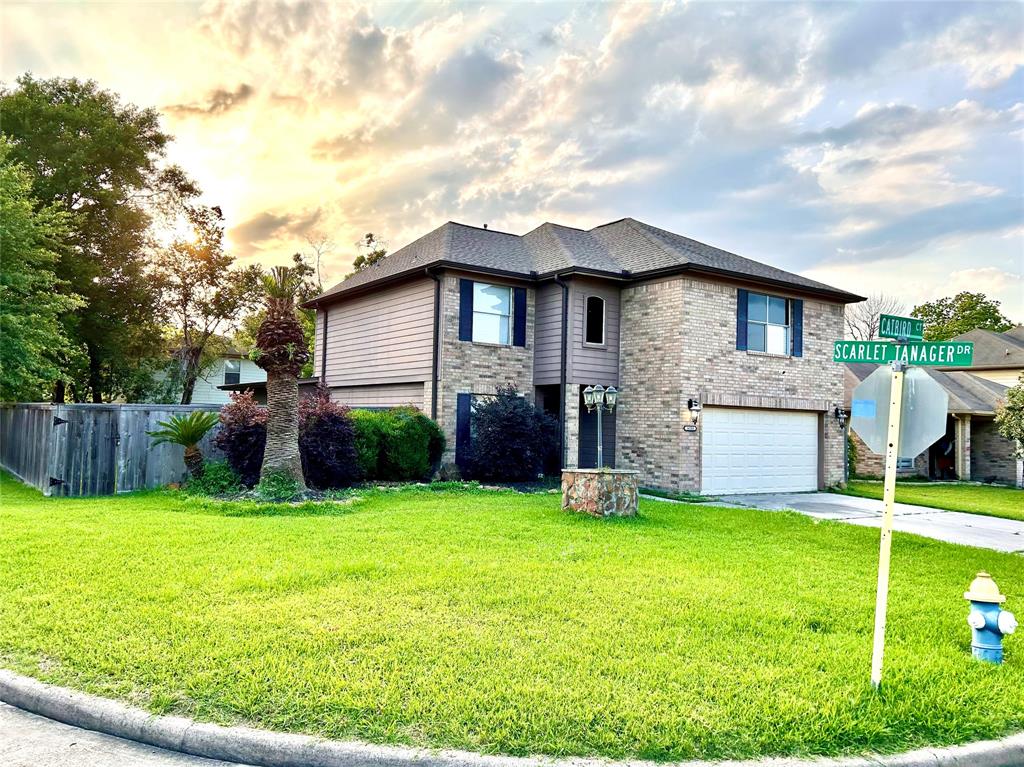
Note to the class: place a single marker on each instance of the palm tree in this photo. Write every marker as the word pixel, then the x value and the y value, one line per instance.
pixel 187 430
pixel 281 351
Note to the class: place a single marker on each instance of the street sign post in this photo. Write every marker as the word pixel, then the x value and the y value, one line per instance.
pixel 906 328
pixel 925 403
pixel 942 353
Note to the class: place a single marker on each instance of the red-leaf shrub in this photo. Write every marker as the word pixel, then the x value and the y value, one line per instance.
pixel 243 436
pixel 512 439
pixel 327 442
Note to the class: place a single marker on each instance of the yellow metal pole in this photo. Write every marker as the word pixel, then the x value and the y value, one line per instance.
pixel 888 499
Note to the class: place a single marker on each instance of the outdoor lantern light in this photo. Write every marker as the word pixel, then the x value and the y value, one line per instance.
pixel 840 416
pixel 598 398
pixel 611 396
pixel 693 406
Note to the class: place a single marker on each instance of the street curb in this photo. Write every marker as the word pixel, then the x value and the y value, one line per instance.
pixel 272 749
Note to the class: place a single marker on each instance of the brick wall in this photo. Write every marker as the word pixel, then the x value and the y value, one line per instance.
pixel 991 454
pixel 473 368
pixel 679 341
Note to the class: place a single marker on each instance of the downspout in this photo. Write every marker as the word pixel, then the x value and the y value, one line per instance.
pixel 565 367
pixel 323 352
pixel 435 356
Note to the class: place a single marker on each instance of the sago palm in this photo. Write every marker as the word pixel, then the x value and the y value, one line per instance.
pixel 281 351
pixel 188 431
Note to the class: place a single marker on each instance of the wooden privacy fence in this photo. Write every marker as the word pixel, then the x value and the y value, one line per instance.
pixel 92 449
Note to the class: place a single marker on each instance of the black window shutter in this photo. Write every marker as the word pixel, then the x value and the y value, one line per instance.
pixel 519 316
pixel 465 310
pixel 741 319
pixel 463 435
pixel 796 308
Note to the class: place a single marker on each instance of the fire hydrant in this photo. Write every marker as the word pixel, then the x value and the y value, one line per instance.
pixel 989 622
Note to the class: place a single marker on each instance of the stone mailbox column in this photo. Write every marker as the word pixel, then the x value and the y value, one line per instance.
pixel 600 492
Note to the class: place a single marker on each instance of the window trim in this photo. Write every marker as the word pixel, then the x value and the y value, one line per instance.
pixel 511 314
pixel 238 372
pixel 766 324
pixel 586 320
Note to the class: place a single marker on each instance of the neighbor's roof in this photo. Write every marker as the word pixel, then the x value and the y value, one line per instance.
pixel 968 393
pixel 624 249
pixel 996 350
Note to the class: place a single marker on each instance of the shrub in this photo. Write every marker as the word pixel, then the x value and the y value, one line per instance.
pixel 512 439
pixel 368 437
pixel 327 442
pixel 397 445
pixel 218 479
pixel 243 436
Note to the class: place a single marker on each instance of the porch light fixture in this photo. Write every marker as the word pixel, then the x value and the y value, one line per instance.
pixel 693 408
pixel 599 398
pixel 840 416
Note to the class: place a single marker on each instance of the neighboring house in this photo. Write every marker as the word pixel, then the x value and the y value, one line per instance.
pixel 232 367
pixel 972 447
pixel 444 320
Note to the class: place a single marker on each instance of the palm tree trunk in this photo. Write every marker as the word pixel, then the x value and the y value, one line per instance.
pixel 282 450
pixel 194 461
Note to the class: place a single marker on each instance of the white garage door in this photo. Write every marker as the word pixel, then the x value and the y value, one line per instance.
pixel 758 451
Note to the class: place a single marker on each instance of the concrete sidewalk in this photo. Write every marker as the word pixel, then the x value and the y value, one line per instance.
pixel 28 740
pixel 951 526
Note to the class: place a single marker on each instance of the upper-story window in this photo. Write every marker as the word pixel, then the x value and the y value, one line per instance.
pixel 768 324
pixel 492 314
pixel 232 371
pixel 594 332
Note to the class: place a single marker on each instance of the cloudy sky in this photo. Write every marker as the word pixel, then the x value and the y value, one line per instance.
pixel 875 146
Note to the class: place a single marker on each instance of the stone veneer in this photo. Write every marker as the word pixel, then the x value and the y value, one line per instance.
pixel 678 340
pixel 467 367
pixel 600 492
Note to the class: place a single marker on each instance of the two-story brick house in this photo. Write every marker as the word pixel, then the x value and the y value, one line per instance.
pixel 663 318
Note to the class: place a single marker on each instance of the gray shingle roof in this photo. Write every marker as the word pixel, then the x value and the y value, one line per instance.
pixel 996 350
pixel 624 248
pixel 967 392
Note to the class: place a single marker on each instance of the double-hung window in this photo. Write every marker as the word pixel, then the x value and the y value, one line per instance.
pixel 492 314
pixel 232 371
pixel 768 324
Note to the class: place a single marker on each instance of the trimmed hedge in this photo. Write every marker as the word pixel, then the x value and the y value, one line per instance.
pixel 398 445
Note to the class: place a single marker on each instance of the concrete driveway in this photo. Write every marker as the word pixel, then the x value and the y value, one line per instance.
pixel 952 526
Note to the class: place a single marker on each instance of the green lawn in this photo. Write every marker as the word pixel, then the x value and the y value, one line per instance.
pixel 1006 502
pixel 496 622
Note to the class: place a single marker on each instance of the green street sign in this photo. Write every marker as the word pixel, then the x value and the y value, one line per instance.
pixel 891 326
pixel 942 353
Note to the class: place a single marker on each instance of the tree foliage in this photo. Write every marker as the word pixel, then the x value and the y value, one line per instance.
pixel 373 250
pixel 1010 416
pixel 862 319
pixel 188 431
pixel 952 316
pixel 34 347
pixel 512 438
pixel 101 161
pixel 202 291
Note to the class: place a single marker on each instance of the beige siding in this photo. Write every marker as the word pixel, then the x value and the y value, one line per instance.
pixel 547 365
pixel 589 364
pixel 384 395
pixel 318 344
pixel 382 337
pixel 1004 377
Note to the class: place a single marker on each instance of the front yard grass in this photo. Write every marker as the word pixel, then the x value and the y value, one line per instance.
pixel 1006 502
pixel 496 622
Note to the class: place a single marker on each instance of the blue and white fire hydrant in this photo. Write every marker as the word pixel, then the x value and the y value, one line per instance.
pixel 990 622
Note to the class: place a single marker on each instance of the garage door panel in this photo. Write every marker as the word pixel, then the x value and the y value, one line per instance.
pixel 748 451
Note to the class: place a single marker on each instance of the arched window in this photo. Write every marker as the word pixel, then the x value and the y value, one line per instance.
pixel 594 330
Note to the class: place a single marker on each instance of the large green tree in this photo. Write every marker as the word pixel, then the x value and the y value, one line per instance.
pixel 1010 423
pixel 101 160
pixel 202 291
pixel 34 350
pixel 949 317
